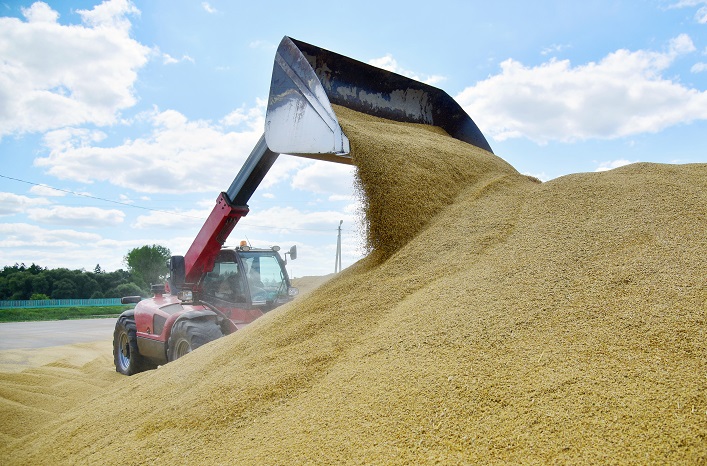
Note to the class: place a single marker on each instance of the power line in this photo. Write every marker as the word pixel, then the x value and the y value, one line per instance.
pixel 95 197
pixel 264 227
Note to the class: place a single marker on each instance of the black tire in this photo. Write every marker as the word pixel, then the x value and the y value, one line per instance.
pixel 127 358
pixel 187 335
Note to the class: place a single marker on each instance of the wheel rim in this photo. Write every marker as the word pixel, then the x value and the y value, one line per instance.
pixel 183 347
pixel 124 351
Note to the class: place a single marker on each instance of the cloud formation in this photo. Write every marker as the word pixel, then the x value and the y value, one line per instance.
pixel 178 156
pixel 65 247
pixel 700 14
pixel 11 203
pixel 79 217
pixel 26 235
pixel 325 177
pixel 73 74
pixel 623 94
pixel 389 63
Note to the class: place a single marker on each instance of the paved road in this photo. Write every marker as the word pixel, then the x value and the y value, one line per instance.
pixel 17 335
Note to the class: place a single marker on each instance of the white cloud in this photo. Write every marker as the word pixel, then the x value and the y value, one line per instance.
pixel 178 156
pixel 325 177
pixel 208 8
pixel 604 166
pixel 167 59
pixel 389 63
pixel 73 74
pixel 247 117
pixel 342 198
pixel 554 48
pixel 80 217
pixel 30 243
pixel 680 45
pixel 13 203
pixel 700 14
pixel 699 67
pixel 621 95
pixel 183 220
pixel 13 235
pixel 67 138
pixel 40 12
pixel 110 14
pixel 42 190
pixel 279 220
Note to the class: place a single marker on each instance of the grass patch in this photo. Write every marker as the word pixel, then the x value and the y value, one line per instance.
pixel 60 313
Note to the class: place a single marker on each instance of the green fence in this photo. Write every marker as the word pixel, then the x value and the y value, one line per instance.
pixel 34 303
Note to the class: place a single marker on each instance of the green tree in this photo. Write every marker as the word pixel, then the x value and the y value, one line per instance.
pixel 41 285
pixel 21 284
pixel 64 289
pixel 148 264
pixel 126 289
pixel 89 287
pixel 109 280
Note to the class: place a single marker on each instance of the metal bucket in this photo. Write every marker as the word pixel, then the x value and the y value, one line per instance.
pixel 307 80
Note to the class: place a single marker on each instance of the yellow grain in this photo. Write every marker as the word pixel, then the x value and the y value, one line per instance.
pixel 496 320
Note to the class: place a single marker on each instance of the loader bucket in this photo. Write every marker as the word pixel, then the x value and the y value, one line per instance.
pixel 307 80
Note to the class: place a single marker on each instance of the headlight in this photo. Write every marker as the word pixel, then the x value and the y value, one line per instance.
pixel 292 291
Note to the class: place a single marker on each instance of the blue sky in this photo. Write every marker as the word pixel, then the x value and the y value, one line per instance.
pixel 120 122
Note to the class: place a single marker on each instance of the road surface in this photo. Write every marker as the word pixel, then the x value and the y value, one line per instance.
pixel 25 335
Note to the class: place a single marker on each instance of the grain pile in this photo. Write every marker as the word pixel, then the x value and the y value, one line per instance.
pixel 497 320
pixel 307 284
pixel 38 385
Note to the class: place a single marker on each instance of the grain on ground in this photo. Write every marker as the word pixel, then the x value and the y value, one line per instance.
pixel 496 320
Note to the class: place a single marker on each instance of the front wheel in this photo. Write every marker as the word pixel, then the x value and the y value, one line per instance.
pixel 188 335
pixel 127 358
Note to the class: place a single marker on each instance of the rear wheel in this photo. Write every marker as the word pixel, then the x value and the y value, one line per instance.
pixel 188 335
pixel 127 358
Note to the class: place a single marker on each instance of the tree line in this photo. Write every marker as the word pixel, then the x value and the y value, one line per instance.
pixel 145 266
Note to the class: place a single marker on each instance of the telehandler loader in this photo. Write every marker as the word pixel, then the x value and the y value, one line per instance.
pixel 213 291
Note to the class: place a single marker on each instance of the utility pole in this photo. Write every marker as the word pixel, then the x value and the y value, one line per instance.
pixel 337 261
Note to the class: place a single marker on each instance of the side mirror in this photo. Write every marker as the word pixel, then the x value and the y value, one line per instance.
pixel 292 253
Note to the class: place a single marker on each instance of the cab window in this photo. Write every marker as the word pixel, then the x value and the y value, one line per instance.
pixel 225 282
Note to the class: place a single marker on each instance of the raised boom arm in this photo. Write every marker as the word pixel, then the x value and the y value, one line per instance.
pixel 230 207
pixel 300 120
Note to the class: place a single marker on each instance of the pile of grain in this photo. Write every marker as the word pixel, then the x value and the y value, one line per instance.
pixel 309 283
pixel 497 320
pixel 39 385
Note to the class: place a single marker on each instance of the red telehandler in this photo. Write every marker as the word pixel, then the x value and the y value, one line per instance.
pixel 213 291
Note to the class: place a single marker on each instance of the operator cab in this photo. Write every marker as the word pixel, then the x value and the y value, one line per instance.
pixel 250 278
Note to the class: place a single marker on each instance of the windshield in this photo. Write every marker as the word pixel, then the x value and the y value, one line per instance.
pixel 266 278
